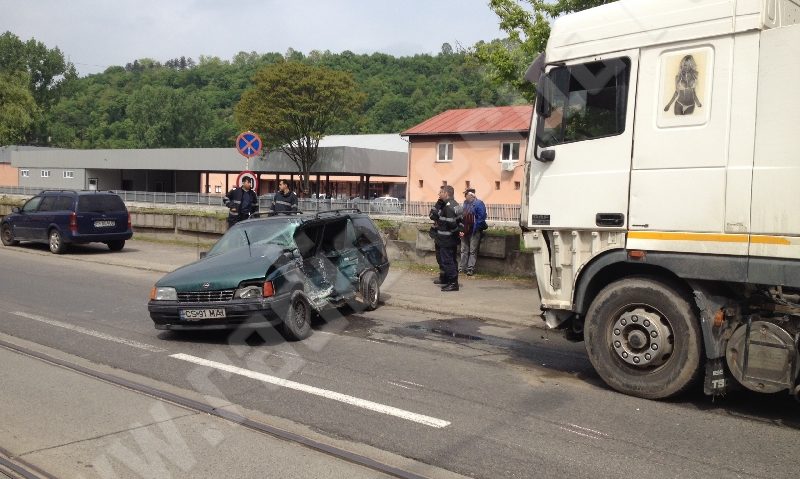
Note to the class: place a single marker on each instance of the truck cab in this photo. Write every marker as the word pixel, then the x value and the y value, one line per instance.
pixel 660 192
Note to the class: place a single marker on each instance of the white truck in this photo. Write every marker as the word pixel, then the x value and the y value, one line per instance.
pixel 662 192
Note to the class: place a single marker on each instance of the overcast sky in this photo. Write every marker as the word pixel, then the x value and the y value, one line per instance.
pixel 95 34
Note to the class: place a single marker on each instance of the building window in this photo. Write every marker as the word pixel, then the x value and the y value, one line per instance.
pixel 509 151
pixel 444 182
pixel 218 189
pixel 516 185
pixel 45 173
pixel 25 173
pixel 466 184
pixel 69 174
pixel 497 185
pixel 445 151
pixel 420 183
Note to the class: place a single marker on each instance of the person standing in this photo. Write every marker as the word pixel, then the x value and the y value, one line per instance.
pixel 474 226
pixel 241 201
pixel 285 201
pixel 448 227
pixel 436 211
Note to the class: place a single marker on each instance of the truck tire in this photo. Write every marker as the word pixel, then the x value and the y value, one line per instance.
pixel 643 338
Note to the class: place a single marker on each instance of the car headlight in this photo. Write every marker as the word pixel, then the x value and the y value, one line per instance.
pixel 248 292
pixel 162 293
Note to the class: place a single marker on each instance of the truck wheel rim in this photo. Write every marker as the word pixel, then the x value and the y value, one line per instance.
pixel 642 338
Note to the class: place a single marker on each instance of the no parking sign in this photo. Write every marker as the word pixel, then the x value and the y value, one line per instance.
pixel 248 144
pixel 247 174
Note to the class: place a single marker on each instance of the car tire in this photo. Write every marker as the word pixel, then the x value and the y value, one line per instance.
pixel 116 245
pixel 56 242
pixel 7 235
pixel 297 324
pixel 370 290
pixel 643 338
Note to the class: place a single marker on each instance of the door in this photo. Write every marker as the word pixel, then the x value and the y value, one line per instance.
pixel 22 225
pixel 586 121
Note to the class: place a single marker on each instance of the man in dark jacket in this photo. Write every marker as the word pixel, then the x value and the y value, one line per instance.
pixel 241 201
pixel 285 201
pixel 434 215
pixel 447 229
pixel 474 225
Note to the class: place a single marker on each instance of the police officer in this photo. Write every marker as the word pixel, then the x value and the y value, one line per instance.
pixel 448 226
pixel 434 215
pixel 285 200
pixel 241 201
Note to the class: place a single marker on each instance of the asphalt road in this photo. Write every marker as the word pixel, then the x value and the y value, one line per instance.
pixel 479 399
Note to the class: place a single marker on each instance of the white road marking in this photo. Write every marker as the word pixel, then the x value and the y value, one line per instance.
pixel 584 431
pixel 398 385
pixel 90 332
pixel 353 401
pixel 413 384
pixel 590 430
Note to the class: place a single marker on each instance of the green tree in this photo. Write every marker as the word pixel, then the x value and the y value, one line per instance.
pixel 527 23
pixel 294 105
pixel 17 107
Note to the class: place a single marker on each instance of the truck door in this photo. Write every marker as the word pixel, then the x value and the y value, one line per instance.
pixel 586 120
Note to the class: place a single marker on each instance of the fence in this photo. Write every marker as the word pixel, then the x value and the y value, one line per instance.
pixel 379 206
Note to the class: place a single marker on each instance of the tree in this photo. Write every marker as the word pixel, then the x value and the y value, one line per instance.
pixel 294 105
pixel 17 107
pixel 528 28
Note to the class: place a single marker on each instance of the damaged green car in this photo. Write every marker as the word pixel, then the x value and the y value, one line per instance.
pixel 276 271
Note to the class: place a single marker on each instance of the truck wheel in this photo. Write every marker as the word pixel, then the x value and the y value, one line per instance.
pixel 7 235
pixel 297 324
pixel 643 338
pixel 56 242
pixel 370 290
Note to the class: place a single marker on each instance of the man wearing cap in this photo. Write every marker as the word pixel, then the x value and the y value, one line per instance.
pixel 241 201
pixel 474 225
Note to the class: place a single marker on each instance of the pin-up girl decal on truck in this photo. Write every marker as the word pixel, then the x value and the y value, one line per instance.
pixel 685 97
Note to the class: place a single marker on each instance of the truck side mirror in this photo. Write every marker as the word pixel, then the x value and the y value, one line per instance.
pixel 543 94
pixel 547 156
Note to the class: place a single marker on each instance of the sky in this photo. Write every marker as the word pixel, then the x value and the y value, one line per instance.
pixel 96 34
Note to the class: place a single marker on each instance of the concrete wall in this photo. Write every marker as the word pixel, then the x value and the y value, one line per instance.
pixel 55 180
pixel 107 180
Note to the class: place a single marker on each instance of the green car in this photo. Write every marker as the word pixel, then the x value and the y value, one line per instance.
pixel 276 271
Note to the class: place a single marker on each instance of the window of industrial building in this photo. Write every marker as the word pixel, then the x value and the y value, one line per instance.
pixel 45 173
pixel 509 151
pixel 69 174
pixel 25 173
pixel 445 152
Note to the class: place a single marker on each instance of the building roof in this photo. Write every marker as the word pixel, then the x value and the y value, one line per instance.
pixel 383 142
pixel 501 119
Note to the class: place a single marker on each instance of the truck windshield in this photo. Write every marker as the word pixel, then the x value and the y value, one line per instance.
pixel 586 101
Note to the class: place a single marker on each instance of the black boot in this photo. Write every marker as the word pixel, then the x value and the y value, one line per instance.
pixel 450 287
pixel 440 280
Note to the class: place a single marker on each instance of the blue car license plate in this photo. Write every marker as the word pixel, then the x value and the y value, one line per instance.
pixel 198 314
pixel 104 224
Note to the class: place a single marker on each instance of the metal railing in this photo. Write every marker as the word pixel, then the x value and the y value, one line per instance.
pixel 495 212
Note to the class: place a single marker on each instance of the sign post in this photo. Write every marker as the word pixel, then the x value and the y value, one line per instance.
pixel 248 144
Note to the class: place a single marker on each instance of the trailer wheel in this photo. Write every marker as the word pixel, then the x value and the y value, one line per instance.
pixel 643 338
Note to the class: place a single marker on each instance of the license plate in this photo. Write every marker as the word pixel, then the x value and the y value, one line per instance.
pixel 198 314
pixel 104 224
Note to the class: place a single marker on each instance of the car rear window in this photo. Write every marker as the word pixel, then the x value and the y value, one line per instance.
pixel 100 203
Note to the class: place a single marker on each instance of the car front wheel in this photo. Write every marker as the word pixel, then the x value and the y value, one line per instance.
pixel 57 245
pixel 297 324
pixel 7 235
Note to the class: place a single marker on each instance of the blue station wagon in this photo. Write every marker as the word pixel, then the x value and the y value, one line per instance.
pixel 63 217
pixel 276 271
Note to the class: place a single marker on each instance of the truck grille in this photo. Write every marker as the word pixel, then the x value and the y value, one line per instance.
pixel 206 296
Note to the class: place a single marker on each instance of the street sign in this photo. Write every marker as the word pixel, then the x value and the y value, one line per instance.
pixel 252 176
pixel 248 144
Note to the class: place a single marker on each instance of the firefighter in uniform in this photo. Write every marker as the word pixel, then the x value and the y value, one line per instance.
pixel 241 201
pixel 285 201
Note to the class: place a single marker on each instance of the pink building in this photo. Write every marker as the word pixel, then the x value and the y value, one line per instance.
pixel 481 148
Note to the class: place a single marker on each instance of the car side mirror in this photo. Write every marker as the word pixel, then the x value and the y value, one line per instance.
pixel 203 254
pixel 15 209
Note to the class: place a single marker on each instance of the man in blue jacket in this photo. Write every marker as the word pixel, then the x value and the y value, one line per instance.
pixel 474 225
pixel 241 201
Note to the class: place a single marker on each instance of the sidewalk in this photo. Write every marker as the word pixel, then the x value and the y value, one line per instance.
pixel 503 300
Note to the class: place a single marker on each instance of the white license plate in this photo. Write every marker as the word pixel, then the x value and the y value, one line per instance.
pixel 104 224
pixel 198 314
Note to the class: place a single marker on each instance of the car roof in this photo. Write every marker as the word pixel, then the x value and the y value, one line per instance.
pixel 306 217
pixel 77 192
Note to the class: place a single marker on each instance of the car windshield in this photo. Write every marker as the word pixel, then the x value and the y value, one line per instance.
pixel 279 232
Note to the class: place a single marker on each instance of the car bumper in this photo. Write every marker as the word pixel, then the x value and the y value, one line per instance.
pixel 245 313
pixel 98 237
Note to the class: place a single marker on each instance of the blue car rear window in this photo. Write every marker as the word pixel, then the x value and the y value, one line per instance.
pixel 100 204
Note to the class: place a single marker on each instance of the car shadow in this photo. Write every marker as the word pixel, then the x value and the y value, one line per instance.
pixel 74 249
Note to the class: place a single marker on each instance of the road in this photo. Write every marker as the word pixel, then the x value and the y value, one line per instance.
pixel 479 399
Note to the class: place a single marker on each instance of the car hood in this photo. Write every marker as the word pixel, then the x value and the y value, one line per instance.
pixel 224 271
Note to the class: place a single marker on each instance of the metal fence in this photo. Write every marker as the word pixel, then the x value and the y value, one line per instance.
pixel 495 212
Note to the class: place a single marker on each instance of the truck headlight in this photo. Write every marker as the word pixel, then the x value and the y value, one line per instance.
pixel 162 293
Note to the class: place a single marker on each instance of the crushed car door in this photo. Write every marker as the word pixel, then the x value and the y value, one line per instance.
pixel 339 255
